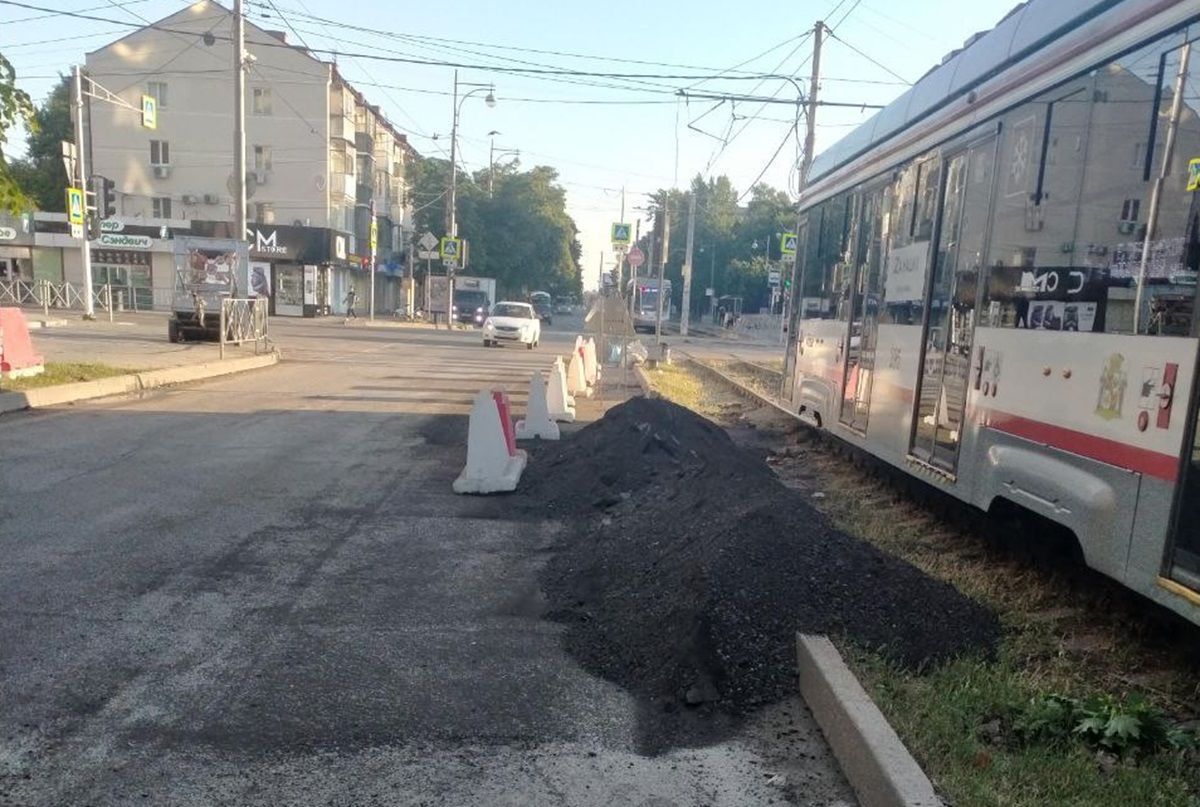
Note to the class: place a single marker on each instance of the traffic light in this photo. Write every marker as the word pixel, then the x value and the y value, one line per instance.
pixel 107 200
pixel 105 194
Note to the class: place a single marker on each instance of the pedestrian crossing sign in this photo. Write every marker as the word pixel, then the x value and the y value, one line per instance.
pixel 451 248
pixel 620 234
pixel 149 112
pixel 75 205
pixel 787 244
pixel 1193 183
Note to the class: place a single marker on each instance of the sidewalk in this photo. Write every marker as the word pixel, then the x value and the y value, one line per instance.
pixel 134 340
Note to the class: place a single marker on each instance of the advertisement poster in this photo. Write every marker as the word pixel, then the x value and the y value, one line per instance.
pixel 260 279
pixel 1051 298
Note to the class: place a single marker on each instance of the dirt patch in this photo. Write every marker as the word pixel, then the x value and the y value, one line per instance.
pixel 691 567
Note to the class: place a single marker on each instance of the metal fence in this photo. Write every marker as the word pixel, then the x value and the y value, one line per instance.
pixel 48 296
pixel 243 319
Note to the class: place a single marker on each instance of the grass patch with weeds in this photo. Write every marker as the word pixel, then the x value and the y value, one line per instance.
pixel 1067 634
pixel 58 372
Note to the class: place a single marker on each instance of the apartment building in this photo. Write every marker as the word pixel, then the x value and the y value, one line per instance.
pixel 317 154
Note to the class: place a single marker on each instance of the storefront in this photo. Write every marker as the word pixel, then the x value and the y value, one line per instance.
pixel 127 272
pixel 293 266
pixel 16 249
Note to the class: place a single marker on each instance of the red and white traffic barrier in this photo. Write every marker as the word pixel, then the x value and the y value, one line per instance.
pixel 17 359
pixel 494 463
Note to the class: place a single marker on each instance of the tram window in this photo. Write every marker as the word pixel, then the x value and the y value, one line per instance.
pixel 1072 209
pixel 825 276
pixel 907 256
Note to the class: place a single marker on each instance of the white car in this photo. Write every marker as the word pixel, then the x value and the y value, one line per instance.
pixel 512 322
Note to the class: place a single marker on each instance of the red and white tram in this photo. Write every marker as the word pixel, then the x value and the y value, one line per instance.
pixel 997 278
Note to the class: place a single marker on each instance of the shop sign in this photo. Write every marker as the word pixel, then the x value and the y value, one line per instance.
pixel 111 226
pixel 266 242
pixel 120 240
pixel 339 247
pixel 8 234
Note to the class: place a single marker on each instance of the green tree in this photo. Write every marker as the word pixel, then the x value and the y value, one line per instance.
pixel 521 234
pixel 41 174
pixel 15 106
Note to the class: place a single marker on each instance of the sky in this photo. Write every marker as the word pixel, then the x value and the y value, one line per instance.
pixel 602 134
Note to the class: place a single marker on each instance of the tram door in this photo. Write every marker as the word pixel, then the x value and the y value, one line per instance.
pixel 793 313
pixel 950 305
pixel 866 291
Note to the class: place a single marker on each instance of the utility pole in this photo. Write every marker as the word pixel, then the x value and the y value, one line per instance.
pixel 372 235
pixel 239 119
pixel 810 133
pixel 491 166
pixel 633 270
pixel 662 266
pixel 85 249
pixel 685 310
pixel 452 197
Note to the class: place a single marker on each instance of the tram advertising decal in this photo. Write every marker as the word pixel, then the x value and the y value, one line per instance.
pixel 1053 298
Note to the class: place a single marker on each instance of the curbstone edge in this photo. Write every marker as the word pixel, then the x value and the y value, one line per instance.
pixel 878 766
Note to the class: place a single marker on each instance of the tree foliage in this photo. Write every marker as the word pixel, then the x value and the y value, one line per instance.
pixel 15 105
pixel 41 173
pixel 734 246
pixel 520 234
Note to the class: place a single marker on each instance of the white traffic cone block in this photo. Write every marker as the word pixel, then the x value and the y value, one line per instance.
pixel 559 403
pixel 591 370
pixel 578 342
pixel 494 463
pixel 537 422
pixel 576 380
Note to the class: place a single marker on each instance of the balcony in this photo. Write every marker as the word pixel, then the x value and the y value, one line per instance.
pixel 341 127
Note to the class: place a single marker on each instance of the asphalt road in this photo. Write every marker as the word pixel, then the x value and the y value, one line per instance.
pixel 261 591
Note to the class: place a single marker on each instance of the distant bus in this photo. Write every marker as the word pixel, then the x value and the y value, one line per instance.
pixel 645 302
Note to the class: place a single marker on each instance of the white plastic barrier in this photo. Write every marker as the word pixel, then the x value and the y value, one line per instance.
pixel 494 463
pixel 576 380
pixel 558 401
pixel 537 422
pixel 591 370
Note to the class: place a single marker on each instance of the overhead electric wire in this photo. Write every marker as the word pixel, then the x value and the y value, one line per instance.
pixel 522 49
pixel 870 59
pixel 518 70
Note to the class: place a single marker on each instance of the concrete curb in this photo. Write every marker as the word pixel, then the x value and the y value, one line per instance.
pixel 639 372
pixel 872 756
pixel 131 383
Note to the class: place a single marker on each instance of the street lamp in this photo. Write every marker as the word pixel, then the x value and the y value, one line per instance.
pixel 452 197
pixel 492 159
pixel 490 100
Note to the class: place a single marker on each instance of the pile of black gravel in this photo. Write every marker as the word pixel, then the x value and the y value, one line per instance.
pixel 687 568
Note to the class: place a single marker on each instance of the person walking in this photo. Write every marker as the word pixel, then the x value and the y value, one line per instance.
pixel 351 299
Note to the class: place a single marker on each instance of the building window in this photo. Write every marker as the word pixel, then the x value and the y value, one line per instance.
pixel 162 207
pixel 262 159
pixel 160 152
pixel 158 91
pixel 262 101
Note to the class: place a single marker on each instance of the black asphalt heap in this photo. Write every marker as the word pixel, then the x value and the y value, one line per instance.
pixel 687 567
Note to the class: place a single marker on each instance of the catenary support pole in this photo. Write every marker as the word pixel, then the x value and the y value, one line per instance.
pixel 239 119
pixel 85 248
pixel 685 309
pixel 662 264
